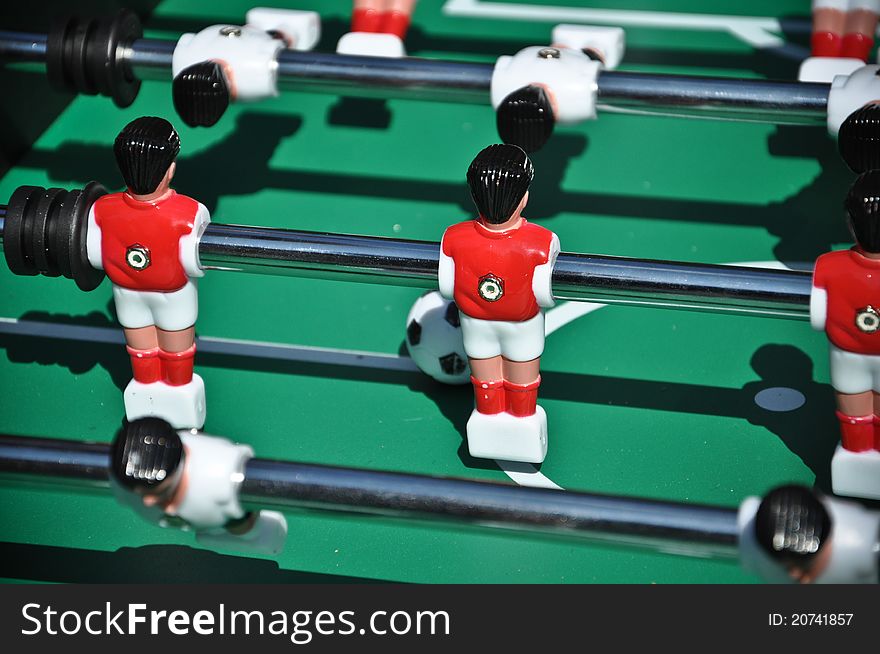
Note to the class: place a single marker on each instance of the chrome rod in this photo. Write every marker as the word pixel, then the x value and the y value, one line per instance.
pixel 50 460
pixel 671 527
pixel 665 526
pixel 750 100
pixel 579 277
pixel 753 100
pixel 576 277
pixel 386 77
pixel 22 46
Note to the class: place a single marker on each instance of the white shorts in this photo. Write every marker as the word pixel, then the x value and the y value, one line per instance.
pixel 854 373
pixel 170 312
pixel 847 5
pixel 515 341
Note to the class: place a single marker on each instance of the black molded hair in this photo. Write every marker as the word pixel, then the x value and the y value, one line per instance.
pixel 144 150
pixel 201 94
pixel 525 118
pixel 863 207
pixel 594 55
pixel 145 453
pixel 498 178
pixel 792 525
pixel 859 139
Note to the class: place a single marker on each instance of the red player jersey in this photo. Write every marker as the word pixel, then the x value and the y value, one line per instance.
pixel 852 282
pixel 494 270
pixel 140 241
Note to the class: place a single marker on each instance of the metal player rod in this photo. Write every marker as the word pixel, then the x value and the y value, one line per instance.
pixel 577 277
pixel 676 528
pixel 753 100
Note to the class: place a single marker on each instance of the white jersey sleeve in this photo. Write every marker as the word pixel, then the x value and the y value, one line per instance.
pixel 818 308
pixel 542 280
pixel 446 274
pixel 93 242
pixel 189 244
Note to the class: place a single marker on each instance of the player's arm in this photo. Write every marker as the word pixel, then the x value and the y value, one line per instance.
pixel 93 241
pixel 189 244
pixel 542 281
pixel 818 307
pixel 818 300
pixel 446 271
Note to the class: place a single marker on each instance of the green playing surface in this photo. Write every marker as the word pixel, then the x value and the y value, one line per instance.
pixel 641 402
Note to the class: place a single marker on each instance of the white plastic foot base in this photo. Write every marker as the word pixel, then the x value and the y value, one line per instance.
pixel 267 536
pixel 182 406
pixel 856 474
pixel 825 69
pixel 370 44
pixel 608 42
pixel 507 437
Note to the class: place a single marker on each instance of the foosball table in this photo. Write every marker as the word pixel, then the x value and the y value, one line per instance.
pixel 680 374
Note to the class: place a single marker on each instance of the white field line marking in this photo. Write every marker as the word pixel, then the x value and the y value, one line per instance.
pixel 757 31
pixel 525 474
pixel 562 314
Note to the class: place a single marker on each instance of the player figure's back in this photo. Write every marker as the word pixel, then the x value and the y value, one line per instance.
pixel 851 281
pixel 140 240
pixel 507 259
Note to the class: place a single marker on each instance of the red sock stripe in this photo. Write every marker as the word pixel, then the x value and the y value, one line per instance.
pixel 366 20
pixel 177 367
pixel 857 46
pixel 488 395
pixel 522 399
pixel 826 44
pixel 877 433
pixel 395 22
pixel 856 432
pixel 146 367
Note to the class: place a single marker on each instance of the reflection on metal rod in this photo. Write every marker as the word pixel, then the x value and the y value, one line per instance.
pixel 677 528
pixel 754 100
pixel 54 461
pixel 750 100
pixel 385 77
pixel 22 46
pixel 681 95
pixel 580 277
pixel 577 277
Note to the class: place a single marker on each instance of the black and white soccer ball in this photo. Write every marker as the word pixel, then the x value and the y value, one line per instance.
pixel 434 341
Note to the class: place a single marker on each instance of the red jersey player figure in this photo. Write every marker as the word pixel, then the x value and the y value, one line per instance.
pixel 845 303
pixel 498 267
pixel 378 28
pixel 844 28
pixel 146 240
